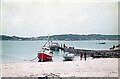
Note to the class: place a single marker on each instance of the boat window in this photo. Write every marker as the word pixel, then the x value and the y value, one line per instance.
pixel 47 49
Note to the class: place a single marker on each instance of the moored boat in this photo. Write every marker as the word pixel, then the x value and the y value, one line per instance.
pixel 55 46
pixel 68 56
pixel 45 54
pixel 102 43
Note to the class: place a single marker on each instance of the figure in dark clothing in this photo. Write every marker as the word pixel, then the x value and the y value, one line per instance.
pixel 81 55
pixel 113 46
pixel 85 56
pixel 64 45
pixel 61 45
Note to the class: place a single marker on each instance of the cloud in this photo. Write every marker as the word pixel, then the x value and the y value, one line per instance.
pixel 43 18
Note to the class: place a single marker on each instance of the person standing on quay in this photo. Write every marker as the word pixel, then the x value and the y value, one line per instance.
pixel 81 55
pixel 85 56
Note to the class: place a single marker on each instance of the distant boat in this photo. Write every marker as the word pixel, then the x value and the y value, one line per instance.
pixel 68 57
pixel 101 42
pixel 55 46
pixel 45 53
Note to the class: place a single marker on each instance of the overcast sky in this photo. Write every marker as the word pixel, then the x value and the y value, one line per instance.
pixel 36 18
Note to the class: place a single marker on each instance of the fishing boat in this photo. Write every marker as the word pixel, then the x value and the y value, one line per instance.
pixel 45 54
pixel 68 56
pixel 55 46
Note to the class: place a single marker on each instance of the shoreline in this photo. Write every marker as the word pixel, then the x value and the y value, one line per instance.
pixel 103 67
pixel 60 40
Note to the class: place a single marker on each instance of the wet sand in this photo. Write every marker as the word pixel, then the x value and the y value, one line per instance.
pixel 103 67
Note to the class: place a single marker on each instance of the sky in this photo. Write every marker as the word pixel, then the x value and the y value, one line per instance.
pixel 43 17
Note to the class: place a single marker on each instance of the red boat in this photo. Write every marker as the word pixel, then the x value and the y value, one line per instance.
pixel 45 54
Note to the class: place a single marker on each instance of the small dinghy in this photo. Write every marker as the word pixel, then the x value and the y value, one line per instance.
pixel 68 57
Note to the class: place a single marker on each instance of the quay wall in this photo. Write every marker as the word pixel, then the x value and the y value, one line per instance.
pixel 109 53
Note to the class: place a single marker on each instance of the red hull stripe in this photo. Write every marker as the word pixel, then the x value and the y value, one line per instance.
pixel 44 56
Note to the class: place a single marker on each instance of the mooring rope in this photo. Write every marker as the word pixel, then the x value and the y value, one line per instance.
pixel 33 59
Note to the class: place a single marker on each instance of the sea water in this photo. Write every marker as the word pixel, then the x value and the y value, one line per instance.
pixel 18 51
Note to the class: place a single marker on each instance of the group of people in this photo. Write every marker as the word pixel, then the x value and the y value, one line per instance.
pixel 83 55
pixel 63 46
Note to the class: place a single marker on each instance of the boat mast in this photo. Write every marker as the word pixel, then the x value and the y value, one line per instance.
pixel 47 41
pixel 44 46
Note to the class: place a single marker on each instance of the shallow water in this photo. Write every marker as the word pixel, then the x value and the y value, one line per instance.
pixel 27 50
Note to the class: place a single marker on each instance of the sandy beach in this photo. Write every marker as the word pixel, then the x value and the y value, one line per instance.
pixel 103 67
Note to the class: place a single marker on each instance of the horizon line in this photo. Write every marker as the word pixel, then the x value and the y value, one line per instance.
pixel 58 34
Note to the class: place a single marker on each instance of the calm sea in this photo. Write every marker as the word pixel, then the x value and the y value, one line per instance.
pixel 13 51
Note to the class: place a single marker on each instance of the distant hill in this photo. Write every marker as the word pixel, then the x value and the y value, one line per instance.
pixel 85 37
pixel 4 37
pixel 66 37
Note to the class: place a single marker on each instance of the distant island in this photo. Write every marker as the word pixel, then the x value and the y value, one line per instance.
pixel 63 37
